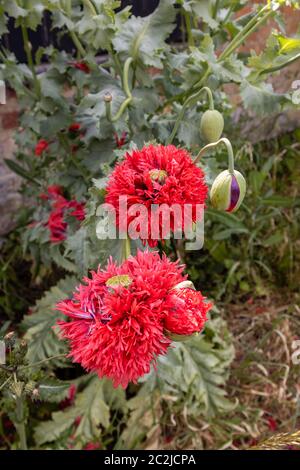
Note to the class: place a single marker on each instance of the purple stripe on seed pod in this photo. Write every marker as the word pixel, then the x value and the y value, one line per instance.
pixel 234 193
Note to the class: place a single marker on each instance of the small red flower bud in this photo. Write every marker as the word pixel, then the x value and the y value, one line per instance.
pixel 82 66
pixel 41 146
pixel 74 127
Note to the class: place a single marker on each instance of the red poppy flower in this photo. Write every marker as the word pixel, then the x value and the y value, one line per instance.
pixel 74 127
pixel 78 209
pixel 56 223
pixel 92 446
pixel 161 176
pixel 69 400
pixel 120 141
pixel 41 146
pixel 119 317
pixel 53 192
pixel 272 424
pixel 188 312
pixel 57 226
pixel 81 66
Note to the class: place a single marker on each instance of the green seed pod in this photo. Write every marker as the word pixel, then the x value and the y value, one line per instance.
pixel 211 125
pixel 228 191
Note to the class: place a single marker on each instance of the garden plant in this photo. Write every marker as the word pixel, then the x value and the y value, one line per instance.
pixel 137 340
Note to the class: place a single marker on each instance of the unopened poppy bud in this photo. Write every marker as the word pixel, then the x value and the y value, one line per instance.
pixel 211 125
pixel 107 97
pixel 228 191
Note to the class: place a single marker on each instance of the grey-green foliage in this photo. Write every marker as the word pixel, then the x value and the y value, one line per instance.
pixel 191 378
pixel 43 340
pixel 93 405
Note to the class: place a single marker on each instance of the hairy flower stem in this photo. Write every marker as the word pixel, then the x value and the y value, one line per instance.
pixel 20 413
pixel 20 426
pixel 189 102
pixel 126 252
pixel 67 6
pixel 28 47
pixel 228 145
pixel 5 382
pixel 43 361
pixel 80 49
pixel 90 6
pixel 251 26
pixel 127 101
pixel 188 28
pixel 248 29
pixel 216 8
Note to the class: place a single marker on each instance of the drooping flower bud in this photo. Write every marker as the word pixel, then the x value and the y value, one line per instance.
pixel 211 125
pixel 228 191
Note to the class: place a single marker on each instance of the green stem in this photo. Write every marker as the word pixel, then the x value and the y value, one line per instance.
pixel 27 47
pixel 215 9
pixel 90 6
pixel 248 29
pixel 201 81
pixel 280 66
pixel 230 11
pixel 5 382
pixel 125 77
pixel 128 93
pixel 20 414
pixel 188 27
pixel 253 24
pixel 228 145
pixel 115 59
pixel 67 6
pixel 126 248
pixel 188 102
pixel 20 427
pixel 78 44
pixel 120 111
pixel 42 361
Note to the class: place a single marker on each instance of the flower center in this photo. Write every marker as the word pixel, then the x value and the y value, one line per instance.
pixel 158 175
pixel 122 280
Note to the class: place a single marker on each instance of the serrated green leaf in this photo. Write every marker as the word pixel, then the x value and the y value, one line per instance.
pixel 92 405
pixel 42 340
pixel 53 390
pixel 261 98
pixel 16 168
pixel 144 38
